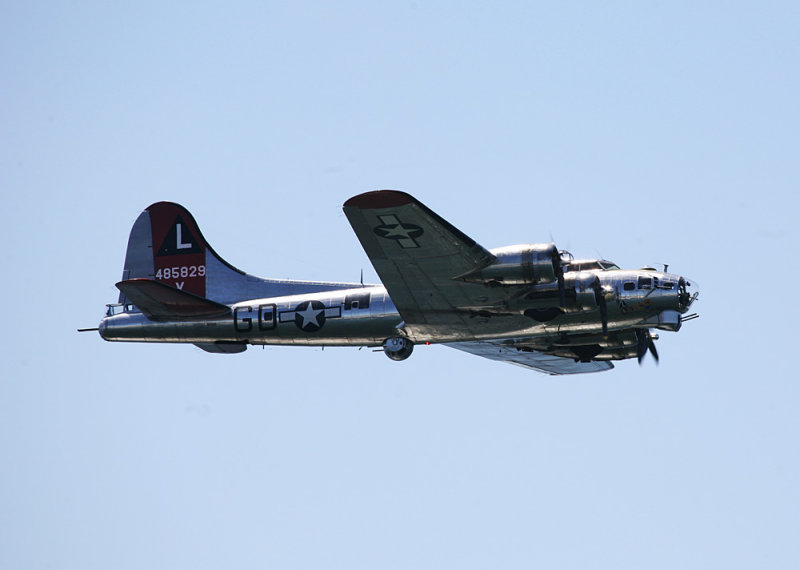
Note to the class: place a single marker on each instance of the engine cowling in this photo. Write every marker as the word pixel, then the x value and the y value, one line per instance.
pixel 520 265
pixel 589 295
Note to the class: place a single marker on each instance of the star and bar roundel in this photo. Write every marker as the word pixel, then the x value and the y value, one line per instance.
pixel 404 234
pixel 310 316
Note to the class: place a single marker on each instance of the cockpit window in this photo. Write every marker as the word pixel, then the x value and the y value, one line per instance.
pixel 590 264
pixel 645 282
pixel 629 285
pixel 583 266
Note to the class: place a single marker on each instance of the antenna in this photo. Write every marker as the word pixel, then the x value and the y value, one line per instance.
pixel 362 276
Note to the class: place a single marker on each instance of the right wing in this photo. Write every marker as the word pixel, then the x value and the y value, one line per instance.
pixel 533 359
pixel 419 257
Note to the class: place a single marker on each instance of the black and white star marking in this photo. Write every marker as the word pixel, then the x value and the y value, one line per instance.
pixel 404 234
pixel 310 316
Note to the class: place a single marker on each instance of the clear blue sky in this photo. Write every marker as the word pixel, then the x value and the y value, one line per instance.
pixel 644 132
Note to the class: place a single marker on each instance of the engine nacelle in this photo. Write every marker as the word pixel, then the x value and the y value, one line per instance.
pixel 520 265
pixel 398 348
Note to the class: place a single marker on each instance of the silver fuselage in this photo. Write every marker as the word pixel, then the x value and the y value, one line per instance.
pixel 366 316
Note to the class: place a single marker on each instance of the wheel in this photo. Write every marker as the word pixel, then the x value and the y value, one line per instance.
pixel 398 347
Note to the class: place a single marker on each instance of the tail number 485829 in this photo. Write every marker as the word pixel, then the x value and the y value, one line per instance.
pixel 181 272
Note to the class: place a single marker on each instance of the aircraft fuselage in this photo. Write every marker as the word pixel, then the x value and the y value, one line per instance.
pixel 366 316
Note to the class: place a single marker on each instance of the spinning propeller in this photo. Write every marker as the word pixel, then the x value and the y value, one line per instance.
pixel 559 259
pixel 644 342
pixel 600 297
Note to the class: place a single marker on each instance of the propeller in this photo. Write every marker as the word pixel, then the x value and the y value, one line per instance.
pixel 600 297
pixel 644 342
pixel 558 266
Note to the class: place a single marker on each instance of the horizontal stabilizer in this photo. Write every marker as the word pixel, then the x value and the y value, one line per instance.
pixel 161 302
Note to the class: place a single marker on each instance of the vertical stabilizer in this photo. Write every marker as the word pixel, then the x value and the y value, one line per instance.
pixel 166 245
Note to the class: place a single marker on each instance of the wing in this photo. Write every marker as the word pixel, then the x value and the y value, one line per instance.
pixel 419 257
pixel 533 359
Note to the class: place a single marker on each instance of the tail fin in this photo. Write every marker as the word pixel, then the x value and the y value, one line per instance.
pixel 166 245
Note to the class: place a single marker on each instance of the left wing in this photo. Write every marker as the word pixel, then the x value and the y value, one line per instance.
pixel 419 257
pixel 533 359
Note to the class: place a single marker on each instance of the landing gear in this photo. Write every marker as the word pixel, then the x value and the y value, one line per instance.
pixel 398 348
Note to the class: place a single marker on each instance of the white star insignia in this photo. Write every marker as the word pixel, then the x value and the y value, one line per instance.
pixel 398 230
pixel 310 315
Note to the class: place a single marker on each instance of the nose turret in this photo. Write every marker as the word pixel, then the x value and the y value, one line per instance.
pixel 688 292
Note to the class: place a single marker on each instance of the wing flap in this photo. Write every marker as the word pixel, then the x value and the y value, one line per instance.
pixel 161 302
pixel 534 360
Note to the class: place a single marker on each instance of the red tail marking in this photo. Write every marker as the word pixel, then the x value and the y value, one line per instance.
pixel 179 251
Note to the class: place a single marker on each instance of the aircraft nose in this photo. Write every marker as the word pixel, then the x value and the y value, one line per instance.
pixel 688 292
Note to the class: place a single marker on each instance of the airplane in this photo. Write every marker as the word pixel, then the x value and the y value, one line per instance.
pixel 532 304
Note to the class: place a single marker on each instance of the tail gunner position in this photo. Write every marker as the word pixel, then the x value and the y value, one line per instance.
pixel 529 304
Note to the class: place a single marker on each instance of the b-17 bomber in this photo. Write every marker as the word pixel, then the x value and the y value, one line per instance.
pixel 532 304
